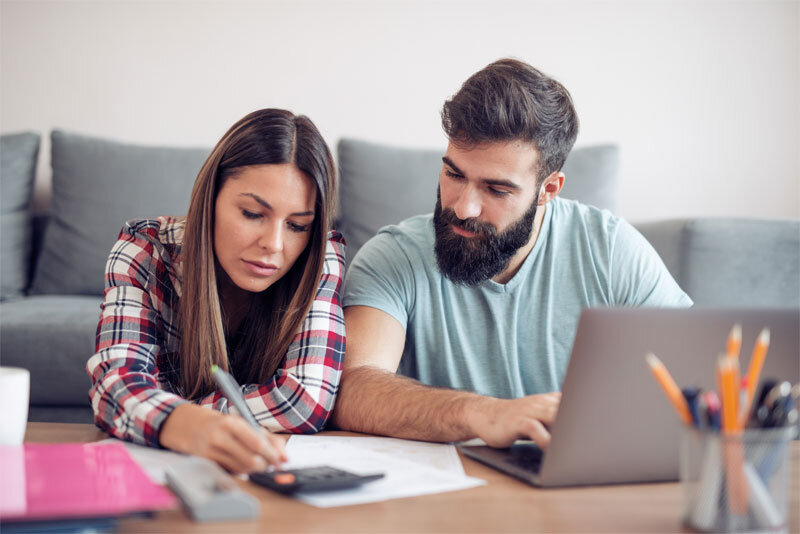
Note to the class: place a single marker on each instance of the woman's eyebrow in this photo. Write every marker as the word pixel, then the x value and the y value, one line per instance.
pixel 269 207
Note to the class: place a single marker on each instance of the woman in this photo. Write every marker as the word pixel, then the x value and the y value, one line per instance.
pixel 249 280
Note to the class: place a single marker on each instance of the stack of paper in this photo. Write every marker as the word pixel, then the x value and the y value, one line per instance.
pixel 410 467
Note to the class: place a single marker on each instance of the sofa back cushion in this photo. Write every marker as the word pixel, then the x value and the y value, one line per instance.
pixel 18 156
pixel 742 262
pixel 99 184
pixel 381 185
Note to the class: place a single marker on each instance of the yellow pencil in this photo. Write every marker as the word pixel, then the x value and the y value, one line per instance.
pixel 754 373
pixel 669 386
pixel 734 344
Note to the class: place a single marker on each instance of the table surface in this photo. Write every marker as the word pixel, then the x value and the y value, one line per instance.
pixel 503 505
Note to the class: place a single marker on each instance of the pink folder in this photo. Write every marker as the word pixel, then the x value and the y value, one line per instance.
pixel 74 480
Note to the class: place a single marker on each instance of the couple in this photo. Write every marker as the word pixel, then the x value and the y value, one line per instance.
pixel 475 305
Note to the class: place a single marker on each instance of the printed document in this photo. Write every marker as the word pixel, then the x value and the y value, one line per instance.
pixel 410 468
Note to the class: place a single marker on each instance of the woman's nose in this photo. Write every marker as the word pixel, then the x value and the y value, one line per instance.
pixel 271 238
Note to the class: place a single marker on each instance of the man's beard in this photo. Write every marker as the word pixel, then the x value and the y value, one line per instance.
pixel 471 260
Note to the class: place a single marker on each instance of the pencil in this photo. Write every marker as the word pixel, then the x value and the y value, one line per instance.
pixel 728 380
pixel 670 388
pixel 733 448
pixel 734 344
pixel 753 373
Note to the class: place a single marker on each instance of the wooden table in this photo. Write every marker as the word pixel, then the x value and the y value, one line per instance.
pixel 503 505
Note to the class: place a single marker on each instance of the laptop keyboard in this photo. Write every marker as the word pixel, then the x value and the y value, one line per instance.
pixel 526 456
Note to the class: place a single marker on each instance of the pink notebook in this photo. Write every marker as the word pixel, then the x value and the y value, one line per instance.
pixel 43 481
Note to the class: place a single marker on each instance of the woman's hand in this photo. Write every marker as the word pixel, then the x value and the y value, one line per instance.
pixel 226 439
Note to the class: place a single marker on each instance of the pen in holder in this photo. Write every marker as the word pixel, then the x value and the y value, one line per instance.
pixel 736 482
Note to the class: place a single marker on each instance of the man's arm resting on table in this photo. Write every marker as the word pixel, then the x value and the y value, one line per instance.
pixel 374 400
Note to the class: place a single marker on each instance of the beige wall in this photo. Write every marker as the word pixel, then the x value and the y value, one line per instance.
pixel 701 95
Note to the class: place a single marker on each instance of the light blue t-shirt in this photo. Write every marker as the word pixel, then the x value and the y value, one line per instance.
pixel 514 339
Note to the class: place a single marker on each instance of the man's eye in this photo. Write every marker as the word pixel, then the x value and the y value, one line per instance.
pixel 250 214
pixel 498 192
pixel 453 175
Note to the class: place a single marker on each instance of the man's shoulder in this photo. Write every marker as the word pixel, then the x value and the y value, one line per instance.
pixel 416 228
pixel 413 236
pixel 567 210
pixel 576 217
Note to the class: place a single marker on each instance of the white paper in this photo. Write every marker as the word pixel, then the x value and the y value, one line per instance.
pixel 437 455
pixel 153 461
pixel 410 468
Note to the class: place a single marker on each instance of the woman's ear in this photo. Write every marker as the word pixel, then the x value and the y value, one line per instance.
pixel 551 187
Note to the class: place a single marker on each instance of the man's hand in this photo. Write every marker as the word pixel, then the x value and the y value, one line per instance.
pixel 500 422
pixel 226 439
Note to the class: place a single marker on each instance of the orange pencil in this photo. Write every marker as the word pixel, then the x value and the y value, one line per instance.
pixel 733 450
pixel 728 381
pixel 734 344
pixel 670 388
pixel 753 373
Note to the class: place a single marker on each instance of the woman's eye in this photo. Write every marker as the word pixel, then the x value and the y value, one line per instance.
pixel 298 227
pixel 250 214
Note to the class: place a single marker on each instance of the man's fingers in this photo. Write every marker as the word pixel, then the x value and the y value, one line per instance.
pixel 536 431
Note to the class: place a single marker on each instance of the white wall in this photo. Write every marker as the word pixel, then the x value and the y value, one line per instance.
pixel 703 96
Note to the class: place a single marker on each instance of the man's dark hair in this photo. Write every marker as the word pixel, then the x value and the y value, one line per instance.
pixel 511 101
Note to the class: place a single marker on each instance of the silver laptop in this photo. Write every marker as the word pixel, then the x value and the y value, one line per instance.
pixel 614 424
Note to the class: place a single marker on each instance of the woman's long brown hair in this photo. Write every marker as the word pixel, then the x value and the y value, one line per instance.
pixel 267 136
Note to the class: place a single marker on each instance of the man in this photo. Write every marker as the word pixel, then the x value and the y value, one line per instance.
pixel 478 304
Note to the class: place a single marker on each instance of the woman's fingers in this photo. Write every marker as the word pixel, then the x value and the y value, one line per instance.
pixel 250 449
pixel 276 445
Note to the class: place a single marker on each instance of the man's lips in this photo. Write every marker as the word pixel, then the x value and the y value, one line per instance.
pixel 259 268
pixel 460 231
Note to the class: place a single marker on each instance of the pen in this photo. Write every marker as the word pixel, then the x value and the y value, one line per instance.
pixel 670 388
pixel 231 390
pixel 692 396
pixel 711 400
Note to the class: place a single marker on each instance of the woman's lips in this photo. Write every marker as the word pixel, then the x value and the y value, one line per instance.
pixel 260 269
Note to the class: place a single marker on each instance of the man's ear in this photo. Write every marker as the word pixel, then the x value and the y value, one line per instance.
pixel 551 187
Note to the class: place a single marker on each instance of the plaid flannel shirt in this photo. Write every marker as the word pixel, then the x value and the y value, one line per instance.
pixel 135 370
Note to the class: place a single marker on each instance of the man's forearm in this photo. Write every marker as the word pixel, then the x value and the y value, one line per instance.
pixel 376 401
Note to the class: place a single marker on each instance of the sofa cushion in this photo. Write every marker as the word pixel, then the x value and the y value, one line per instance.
pixel 18 155
pixel 667 238
pixel 52 337
pixel 98 184
pixel 742 262
pixel 382 184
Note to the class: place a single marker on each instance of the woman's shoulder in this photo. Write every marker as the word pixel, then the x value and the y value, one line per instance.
pixel 166 230
pixel 334 254
pixel 142 241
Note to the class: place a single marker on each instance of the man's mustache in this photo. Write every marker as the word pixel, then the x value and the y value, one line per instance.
pixel 471 225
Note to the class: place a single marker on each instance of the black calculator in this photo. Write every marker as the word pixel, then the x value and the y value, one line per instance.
pixel 321 478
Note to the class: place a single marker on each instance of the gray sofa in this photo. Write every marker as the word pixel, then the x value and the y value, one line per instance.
pixel 52 264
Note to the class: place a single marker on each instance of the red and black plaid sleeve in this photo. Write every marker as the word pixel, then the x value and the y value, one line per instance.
pixel 128 400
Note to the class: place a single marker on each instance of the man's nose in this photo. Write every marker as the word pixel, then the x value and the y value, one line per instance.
pixel 468 204
pixel 271 238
